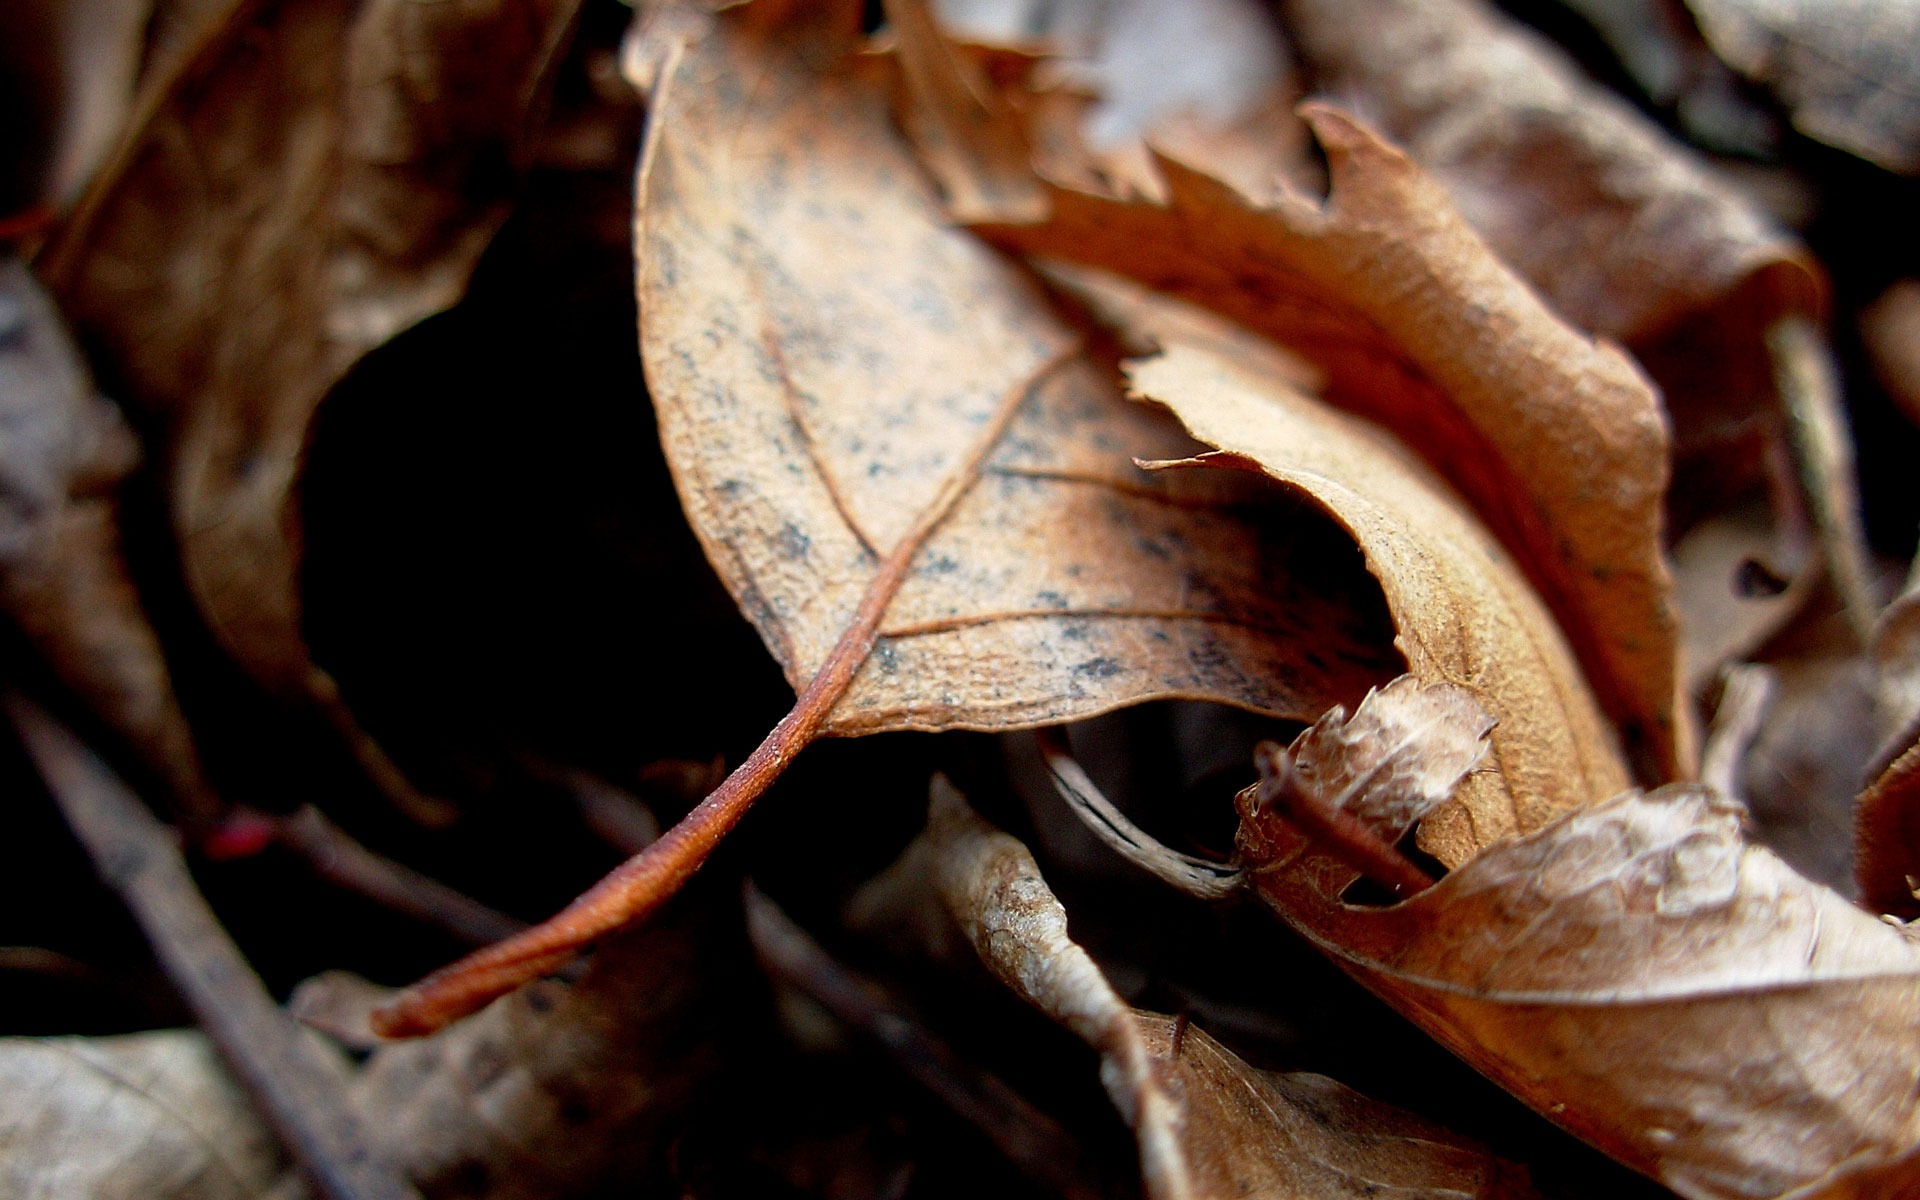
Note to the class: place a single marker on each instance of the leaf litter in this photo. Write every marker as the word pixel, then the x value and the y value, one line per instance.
pixel 1005 389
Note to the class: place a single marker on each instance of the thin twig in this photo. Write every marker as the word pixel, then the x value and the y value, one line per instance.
pixel 140 859
pixel 336 857
pixel 647 880
pixel 1031 1140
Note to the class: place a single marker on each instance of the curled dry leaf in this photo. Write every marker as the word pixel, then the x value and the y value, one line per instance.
pixel 1623 230
pixel 1557 440
pixel 1844 68
pixel 147 1116
pixel 302 182
pixel 915 485
pixel 832 363
pixel 1464 613
pixel 1209 1126
pixel 63 452
pixel 1647 979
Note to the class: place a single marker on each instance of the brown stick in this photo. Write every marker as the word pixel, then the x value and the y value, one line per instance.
pixel 140 859
pixel 1031 1140
pixel 641 884
pixel 1334 830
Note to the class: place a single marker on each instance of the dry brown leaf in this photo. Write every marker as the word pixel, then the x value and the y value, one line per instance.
pixel 1625 232
pixel 1644 977
pixel 1558 441
pixel 306 179
pixel 831 361
pixel 146 1116
pixel 1464 613
pixel 62 578
pixel 1209 1126
pixel 1844 68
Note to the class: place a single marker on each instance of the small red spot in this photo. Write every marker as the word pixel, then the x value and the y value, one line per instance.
pixel 241 835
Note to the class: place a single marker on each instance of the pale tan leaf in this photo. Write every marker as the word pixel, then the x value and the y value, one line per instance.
pixel 1844 68
pixel 146 1116
pixel 1464 613
pixel 831 361
pixel 308 179
pixel 1557 440
pixel 1208 1125
pixel 1647 979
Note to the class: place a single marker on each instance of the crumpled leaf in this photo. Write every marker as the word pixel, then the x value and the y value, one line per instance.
pixel 317 176
pixel 1209 1126
pixel 1648 980
pixel 63 453
pixel 1844 68
pixel 144 1116
pixel 1556 440
pixel 1624 231
pixel 1463 612
pixel 830 361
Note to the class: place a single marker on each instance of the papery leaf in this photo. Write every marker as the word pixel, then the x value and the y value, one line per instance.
pixel 1626 233
pixel 1464 613
pixel 1208 1125
pixel 1556 440
pixel 829 358
pixel 1644 977
pixel 899 460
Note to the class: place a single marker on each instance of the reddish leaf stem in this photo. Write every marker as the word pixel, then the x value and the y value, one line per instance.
pixel 1341 835
pixel 647 880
